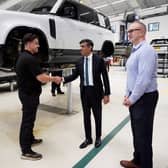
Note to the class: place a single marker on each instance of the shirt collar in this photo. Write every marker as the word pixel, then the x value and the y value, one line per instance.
pixel 138 45
pixel 28 52
pixel 89 56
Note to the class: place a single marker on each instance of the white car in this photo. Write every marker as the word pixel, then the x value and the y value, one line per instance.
pixel 60 25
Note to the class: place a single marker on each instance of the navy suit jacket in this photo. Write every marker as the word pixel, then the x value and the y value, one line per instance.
pixel 99 68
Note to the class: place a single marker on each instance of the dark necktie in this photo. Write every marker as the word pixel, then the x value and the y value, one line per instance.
pixel 86 72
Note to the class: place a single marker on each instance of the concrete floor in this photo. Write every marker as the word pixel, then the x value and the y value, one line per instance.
pixel 62 133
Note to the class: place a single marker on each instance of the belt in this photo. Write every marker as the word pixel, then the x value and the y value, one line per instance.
pixel 144 93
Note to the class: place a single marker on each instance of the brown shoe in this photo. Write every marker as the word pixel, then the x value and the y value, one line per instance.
pixel 128 164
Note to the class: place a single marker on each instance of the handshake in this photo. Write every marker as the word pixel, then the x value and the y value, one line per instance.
pixel 57 79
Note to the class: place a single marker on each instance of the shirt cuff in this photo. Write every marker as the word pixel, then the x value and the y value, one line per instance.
pixel 127 94
pixel 133 98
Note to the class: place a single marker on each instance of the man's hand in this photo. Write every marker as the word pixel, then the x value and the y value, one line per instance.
pixel 57 79
pixel 106 99
pixel 127 102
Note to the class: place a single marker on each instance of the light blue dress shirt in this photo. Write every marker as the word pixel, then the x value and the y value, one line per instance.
pixel 141 71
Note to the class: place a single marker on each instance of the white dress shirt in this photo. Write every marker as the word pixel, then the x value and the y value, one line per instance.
pixel 90 69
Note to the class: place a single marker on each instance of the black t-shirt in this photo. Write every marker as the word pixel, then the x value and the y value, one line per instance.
pixel 27 68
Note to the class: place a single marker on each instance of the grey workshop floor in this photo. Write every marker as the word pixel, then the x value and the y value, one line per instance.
pixel 62 132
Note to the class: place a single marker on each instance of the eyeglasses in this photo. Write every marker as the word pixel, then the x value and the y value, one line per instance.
pixel 132 30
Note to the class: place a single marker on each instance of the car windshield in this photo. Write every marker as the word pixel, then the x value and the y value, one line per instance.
pixel 31 5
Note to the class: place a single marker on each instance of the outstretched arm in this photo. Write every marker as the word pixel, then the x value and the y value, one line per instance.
pixel 73 76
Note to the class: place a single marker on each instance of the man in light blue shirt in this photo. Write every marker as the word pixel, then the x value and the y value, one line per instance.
pixel 141 71
pixel 141 95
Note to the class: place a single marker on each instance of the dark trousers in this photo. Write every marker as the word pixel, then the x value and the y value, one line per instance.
pixel 29 109
pixel 91 101
pixel 142 116
pixel 55 86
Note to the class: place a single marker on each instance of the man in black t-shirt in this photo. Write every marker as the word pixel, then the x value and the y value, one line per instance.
pixel 29 78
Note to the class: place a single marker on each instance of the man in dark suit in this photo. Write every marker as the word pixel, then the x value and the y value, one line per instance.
pixel 90 68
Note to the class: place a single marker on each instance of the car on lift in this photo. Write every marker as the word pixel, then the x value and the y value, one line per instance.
pixel 60 25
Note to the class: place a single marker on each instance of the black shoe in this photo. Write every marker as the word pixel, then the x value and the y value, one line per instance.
pixel 60 92
pixel 53 94
pixel 37 142
pixel 85 144
pixel 31 155
pixel 98 142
